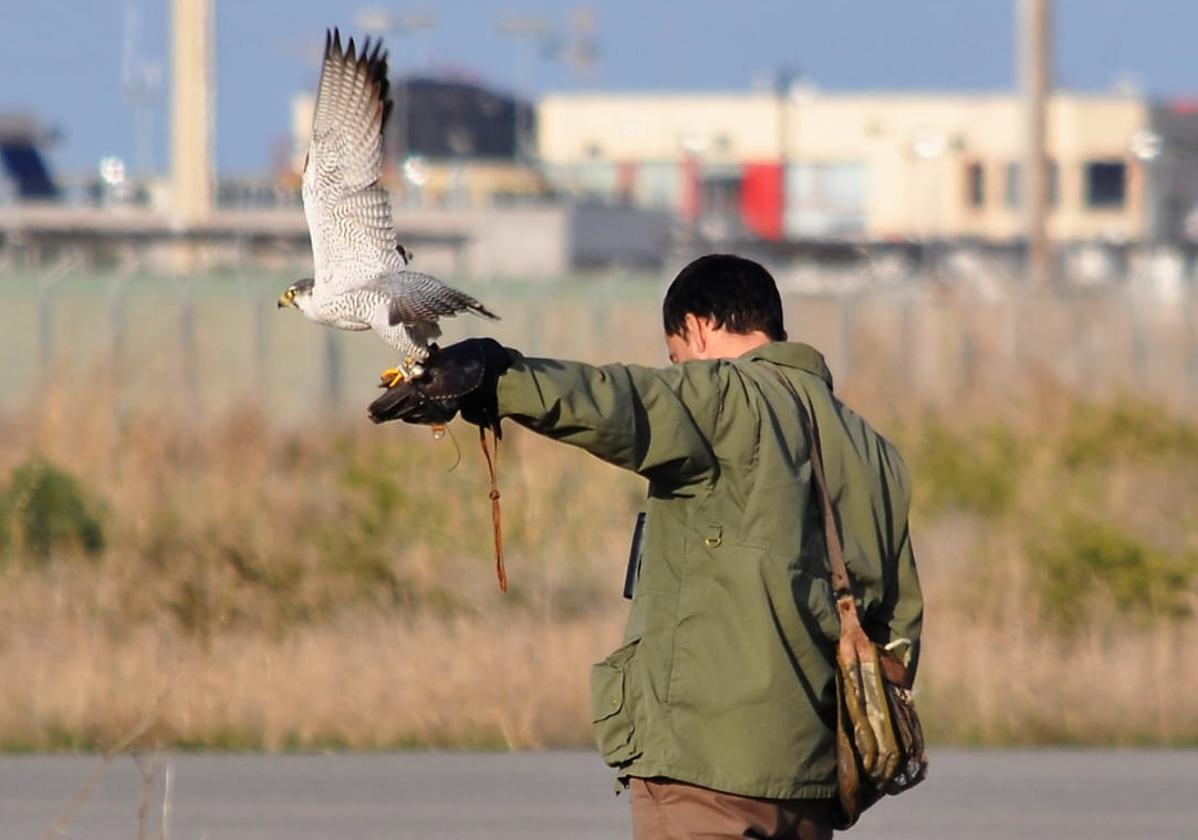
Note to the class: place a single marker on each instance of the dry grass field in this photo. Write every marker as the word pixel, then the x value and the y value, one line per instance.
pixel 233 581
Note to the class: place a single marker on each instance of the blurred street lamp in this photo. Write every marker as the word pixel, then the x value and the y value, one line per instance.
pixel 114 184
pixel 141 80
pixel 523 26
pixel 1146 145
pixel 929 144
pixel 582 51
pixel 415 171
pixel 694 143
pixel 530 33
pixel 375 21
pixel 112 171
pixel 416 21
pixel 378 21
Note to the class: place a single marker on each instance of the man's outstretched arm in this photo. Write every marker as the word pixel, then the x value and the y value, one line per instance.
pixel 658 423
pixel 655 422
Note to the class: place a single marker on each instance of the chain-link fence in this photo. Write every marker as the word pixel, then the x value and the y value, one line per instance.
pixel 215 341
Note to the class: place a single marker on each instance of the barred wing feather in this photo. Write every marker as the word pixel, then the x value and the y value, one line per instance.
pixel 348 211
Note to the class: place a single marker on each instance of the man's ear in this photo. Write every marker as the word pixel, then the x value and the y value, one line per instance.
pixel 696 332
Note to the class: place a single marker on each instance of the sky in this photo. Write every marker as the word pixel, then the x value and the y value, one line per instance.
pixel 63 60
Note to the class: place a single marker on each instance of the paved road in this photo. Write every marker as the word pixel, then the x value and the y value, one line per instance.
pixel 970 796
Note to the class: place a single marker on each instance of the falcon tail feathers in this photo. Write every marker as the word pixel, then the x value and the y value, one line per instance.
pixel 433 303
pixel 462 302
pixel 478 309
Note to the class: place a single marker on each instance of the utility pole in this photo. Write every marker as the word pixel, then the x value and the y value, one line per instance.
pixel 1035 61
pixel 192 111
pixel 783 88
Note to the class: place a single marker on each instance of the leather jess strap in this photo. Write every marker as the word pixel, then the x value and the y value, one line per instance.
pixel 496 517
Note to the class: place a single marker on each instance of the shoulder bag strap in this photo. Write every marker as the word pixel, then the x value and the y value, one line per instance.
pixel 842 587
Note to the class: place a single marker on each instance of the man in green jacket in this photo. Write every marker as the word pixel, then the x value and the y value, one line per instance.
pixel 719 707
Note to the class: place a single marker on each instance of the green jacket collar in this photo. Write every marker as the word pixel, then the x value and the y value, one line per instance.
pixel 792 354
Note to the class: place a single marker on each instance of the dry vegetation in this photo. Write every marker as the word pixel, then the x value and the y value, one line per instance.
pixel 241 585
pixel 1059 554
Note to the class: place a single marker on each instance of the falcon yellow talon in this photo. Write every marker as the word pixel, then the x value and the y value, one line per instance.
pixel 399 377
pixel 387 375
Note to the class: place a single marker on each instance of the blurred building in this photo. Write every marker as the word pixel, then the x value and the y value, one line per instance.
pixel 1170 145
pixel 24 175
pixel 875 166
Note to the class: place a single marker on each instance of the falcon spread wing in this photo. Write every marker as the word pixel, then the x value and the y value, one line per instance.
pixel 348 211
pixel 354 246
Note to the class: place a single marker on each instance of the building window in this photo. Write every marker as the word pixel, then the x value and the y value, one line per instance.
pixel 1106 183
pixel 825 199
pixel 721 193
pixel 1013 188
pixel 975 184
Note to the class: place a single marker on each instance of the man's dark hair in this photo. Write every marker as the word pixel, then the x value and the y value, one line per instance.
pixel 737 294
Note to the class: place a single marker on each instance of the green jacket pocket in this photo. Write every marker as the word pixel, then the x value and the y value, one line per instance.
pixel 615 731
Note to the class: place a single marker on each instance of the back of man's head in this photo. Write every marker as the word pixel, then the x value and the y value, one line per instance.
pixel 736 294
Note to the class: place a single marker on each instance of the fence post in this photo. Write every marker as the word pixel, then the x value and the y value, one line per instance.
pixel 1080 344
pixel 601 314
pixel 1020 329
pixel 334 360
pixel 261 341
pixel 908 336
pixel 1191 338
pixel 848 336
pixel 968 381
pixel 45 325
pixel 187 344
pixel 119 325
pixel 1139 343
pixel 534 323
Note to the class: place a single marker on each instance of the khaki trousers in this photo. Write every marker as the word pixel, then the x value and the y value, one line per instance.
pixel 663 809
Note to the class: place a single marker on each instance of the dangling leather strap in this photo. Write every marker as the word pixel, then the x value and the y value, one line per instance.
pixel 496 526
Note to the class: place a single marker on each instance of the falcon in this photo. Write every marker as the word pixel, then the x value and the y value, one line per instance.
pixel 361 278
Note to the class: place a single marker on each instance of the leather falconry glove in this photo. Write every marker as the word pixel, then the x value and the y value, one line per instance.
pixel 461 377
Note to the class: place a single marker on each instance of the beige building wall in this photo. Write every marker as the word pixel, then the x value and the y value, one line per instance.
pixel 722 128
pixel 916 150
